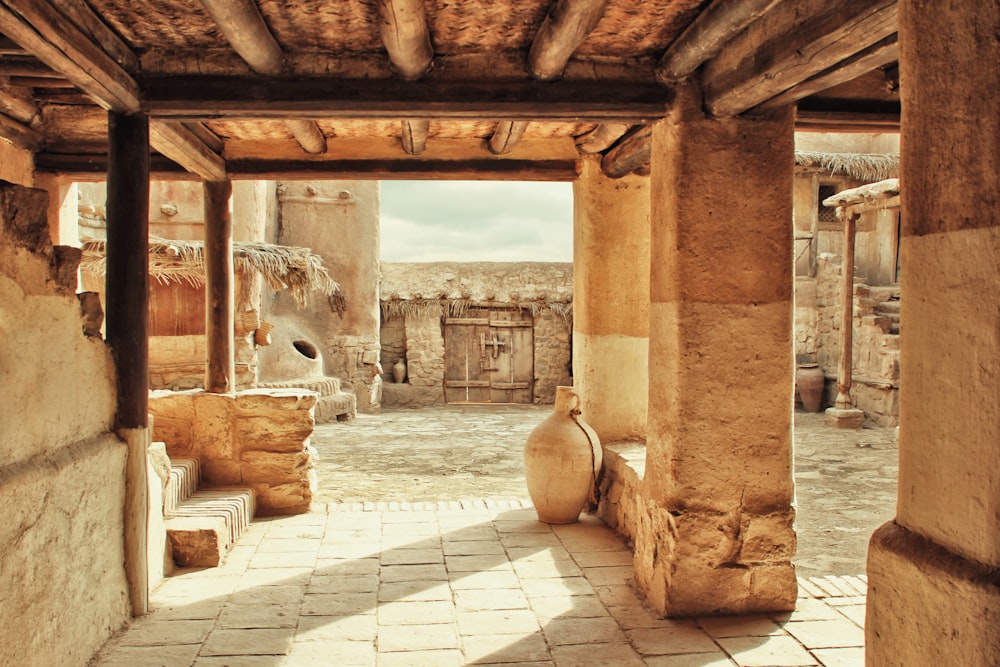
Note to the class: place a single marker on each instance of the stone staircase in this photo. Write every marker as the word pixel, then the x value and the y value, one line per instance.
pixel 890 311
pixel 334 403
pixel 203 523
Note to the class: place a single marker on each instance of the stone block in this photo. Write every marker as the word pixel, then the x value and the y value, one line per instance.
pixel 292 498
pixel 271 400
pixel 222 472
pixel 213 426
pixel 850 418
pixel 275 431
pixel 275 468
pixel 198 541
pixel 768 538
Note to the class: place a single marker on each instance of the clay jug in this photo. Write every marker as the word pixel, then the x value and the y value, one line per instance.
pixel 399 371
pixel 562 459
pixel 809 381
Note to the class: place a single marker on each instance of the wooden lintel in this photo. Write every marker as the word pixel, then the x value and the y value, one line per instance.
pixel 209 97
pixel 563 30
pixel 601 137
pixel 844 121
pixel 94 166
pixel 414 136
pixel 26 66
pixel 881 53
pixel 241 23
pixel 629 154
pixel 20 134
pixel 406 37
pixel 17 103
pixel 407 170
pixel 44 32
pixel 308 134
pixel 715 26
pixel 182 146
pixel 788 50
pixel 506 136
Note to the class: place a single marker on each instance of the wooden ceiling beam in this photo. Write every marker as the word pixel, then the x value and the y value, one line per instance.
pixel 787 50
pixel 880 54
pixel 629 154
pixel 242 24
pixel 601 137
pixel 20 134
pixel 209 138
pixel 17 103
pixel 43 31
pixel 27 66
pixel 712 29
pixel 810 120
pixel 405 35
pixel 506 136
pixel 207 98
pixel 414 136
pixel 562 31
pixel 80 13
pixel 175 141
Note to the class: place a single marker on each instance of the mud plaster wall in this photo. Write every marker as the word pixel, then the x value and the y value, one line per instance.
pixel 62 584
pixel 418 338
pixel 338 220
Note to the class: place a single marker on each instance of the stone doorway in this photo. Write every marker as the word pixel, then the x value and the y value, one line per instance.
pixel 489 356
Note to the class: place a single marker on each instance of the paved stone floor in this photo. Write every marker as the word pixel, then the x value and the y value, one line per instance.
pixel 424 552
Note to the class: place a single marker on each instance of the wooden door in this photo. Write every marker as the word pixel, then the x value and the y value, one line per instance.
pixel 489 357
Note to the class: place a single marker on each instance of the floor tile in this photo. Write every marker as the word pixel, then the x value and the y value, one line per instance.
pixel 445 658
pixel 416 613
pixel 588 655
pixel 478 599
pixel 841 657
pixel 411 557
pixel 338 604
pixel 568 606
pixel 416 637
pixel 473 548
pixel 131 656
pixel 547 569
pixel 258 616
pixel 336 628
pixel 670 640
pixel 484 580
pixel 773 651
pixel 327 653
pixel 714 659
pixel 490 649
pixel 248 642
pixel 150 631
pixel 500 622
pixel 347 583
pixel 740 626
pixel 497 563
pixel 562 631
pixel 414 590
pixel 826 634
pixel 560 586
pixel 427 572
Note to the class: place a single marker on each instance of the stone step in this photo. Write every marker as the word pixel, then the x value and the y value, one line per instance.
pixel 339 407
pixel 202 528
pixel 887 307
pixel 324 386
pixel 183 482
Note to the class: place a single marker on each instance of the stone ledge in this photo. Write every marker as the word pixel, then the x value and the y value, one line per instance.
pixel 621 479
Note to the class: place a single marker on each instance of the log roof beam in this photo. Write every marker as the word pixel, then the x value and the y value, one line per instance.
pixel 707 34
pixel 17 103
pixel 242 24
pixel 20 134
pixel 601 137
pixel 790 47
pixel 414 136
pixel 406 38
pixel 180 144
pixel 562 31
pixel 506 136
pixel 631 153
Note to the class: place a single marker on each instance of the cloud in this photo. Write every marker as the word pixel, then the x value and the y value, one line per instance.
pixel 476 221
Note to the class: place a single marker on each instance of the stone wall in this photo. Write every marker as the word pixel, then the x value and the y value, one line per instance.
pixel 423 352
pixel 62 482
pixel 553 358
pixel 257 438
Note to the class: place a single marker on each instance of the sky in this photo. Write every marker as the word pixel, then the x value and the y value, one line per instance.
pixel 476 221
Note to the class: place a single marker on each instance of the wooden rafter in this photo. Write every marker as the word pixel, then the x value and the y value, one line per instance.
pixel 563 30
pixel 209 138
pixel 414 136
pixel 210 97
pixel 175 141
pixel 20 134
pixel 601 137
pixel 80 13
pixel 629 154
pixel 788 51
pixel 506 136
pixel 707 34
pixel 406 37
pixel 17 103
pixel 242 24
pixel 44 32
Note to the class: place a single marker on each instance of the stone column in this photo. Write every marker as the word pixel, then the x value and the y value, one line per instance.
pixel 611 300
pixel 933 593
pixel 715 517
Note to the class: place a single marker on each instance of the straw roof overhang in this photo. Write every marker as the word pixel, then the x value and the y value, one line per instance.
pixel 298 270
pixel 871 196
pixel 859 166
pixel 518 89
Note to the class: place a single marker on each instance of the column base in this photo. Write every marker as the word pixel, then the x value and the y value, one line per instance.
pixel 849 418
pixel 927 605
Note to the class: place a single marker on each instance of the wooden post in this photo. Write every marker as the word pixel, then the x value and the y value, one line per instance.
pixel 127 326
pixel 220 371
pixel 847 314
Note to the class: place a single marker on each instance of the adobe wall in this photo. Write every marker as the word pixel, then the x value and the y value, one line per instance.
pixel 427 288
pixel 62 585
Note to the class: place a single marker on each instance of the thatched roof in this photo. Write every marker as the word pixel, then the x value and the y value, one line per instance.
pixel 861 166
pixel 872 193
pixel 281 267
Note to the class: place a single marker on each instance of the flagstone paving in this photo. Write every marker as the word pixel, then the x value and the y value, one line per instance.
pixel 458 583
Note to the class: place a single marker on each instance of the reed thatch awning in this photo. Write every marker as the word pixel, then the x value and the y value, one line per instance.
pixel 282 267
pixel 866 167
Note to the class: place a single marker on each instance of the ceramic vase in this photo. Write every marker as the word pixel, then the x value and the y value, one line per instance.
pixel 399 371
pixel 562 459
pixel 809 380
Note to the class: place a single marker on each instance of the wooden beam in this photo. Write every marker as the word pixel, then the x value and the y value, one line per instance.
pixel 562 31
pixel 506 136
pixel 181 145
pixel 404 32
pixel 629 154
pixel 26 66
pixel 308 134
pixel 220 368
pixel 207 98
pixel 17 103
pixel 94 166
pixel 9 47
pixel 704 37
pixel 80 13
pixel 209 138
pixel 414 136
pixel 241 23
pixel 789 50
pixel 810 120
pixel 20 134
pixel 877 55
pixel 601 137
pixel 45 33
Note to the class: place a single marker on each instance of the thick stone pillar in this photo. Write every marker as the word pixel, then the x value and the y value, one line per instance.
pixel 933 591
pixel 715 530
pixel 611 301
